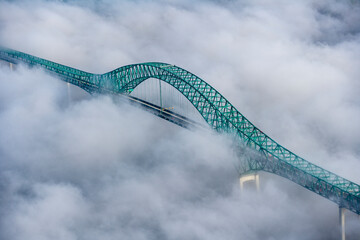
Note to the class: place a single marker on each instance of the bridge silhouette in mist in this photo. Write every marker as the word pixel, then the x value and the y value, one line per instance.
pixel 219 114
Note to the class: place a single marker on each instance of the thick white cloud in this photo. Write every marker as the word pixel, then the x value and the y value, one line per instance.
pixel 95 169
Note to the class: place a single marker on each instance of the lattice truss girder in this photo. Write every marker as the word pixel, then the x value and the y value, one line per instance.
pixel 219 113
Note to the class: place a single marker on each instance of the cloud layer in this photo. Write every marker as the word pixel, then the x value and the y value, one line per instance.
pixel 97 169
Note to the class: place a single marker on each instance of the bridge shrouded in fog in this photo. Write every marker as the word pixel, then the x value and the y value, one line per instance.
pixel 215 110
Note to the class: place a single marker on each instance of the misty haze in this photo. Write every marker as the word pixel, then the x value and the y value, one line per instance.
pixel 77 166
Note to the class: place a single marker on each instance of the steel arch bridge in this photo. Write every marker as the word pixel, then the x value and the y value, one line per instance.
pixel 220 115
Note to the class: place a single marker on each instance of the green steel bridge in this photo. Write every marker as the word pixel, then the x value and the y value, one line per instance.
pixel 218 112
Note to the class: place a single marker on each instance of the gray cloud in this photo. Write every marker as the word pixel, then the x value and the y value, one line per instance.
pixel 98 169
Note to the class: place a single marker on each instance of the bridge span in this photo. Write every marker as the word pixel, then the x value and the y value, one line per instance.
pixel 219 114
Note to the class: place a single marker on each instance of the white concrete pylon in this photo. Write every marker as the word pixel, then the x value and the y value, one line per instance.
pixel 250 177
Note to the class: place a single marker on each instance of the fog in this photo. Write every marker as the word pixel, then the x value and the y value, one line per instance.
pixel 95 169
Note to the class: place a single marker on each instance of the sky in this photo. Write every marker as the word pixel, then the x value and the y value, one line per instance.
pixel 95 169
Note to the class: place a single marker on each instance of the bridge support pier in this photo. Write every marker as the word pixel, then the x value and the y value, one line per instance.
pixel 342 222
pixel 250 177
pixel 11 65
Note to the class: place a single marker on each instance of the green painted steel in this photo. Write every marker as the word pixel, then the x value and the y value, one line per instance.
pixel 219 113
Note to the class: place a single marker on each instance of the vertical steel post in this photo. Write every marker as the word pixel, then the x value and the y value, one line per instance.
pixel 160 95
pixel 68 92
pixel 342 222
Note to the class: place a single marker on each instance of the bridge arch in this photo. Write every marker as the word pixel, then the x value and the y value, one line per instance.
pixel 207 101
